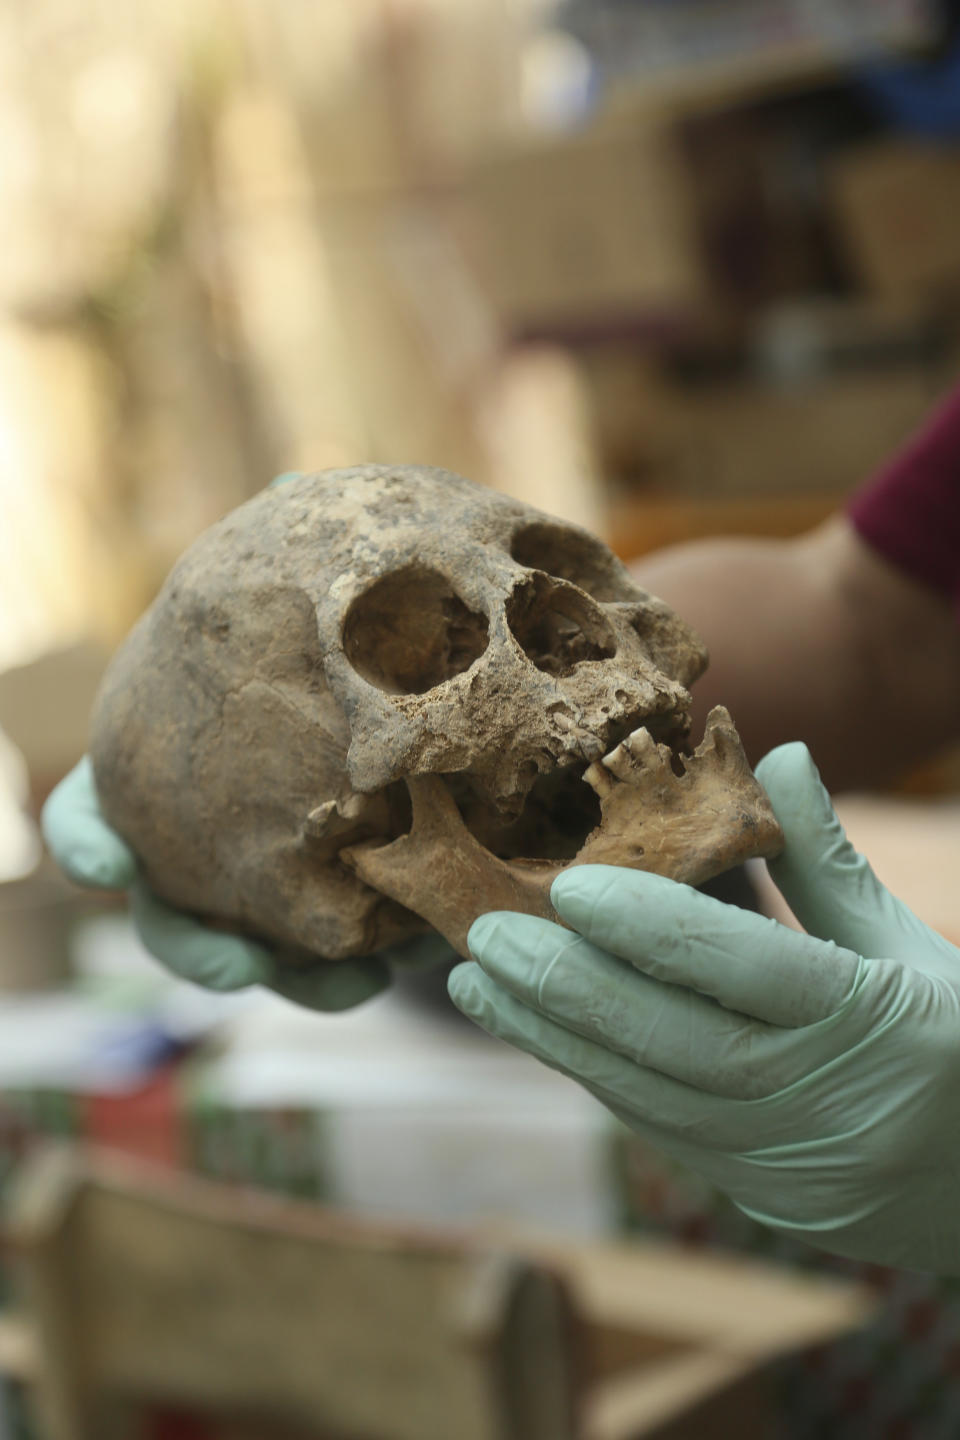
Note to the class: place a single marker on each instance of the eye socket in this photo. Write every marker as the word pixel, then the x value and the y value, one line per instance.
pixel 410 632
pixel 581 559
pixel 556 626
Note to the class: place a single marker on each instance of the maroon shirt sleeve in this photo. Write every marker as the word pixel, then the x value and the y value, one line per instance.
pixel 910 511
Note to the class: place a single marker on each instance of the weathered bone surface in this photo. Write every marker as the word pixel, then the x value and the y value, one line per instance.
pixel 376 700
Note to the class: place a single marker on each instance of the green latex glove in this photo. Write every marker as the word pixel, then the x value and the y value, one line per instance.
pixel 815 1078
pixel 92 854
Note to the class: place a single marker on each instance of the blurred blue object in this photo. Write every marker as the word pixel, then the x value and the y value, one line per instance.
pixel 643 36
pixel 921 99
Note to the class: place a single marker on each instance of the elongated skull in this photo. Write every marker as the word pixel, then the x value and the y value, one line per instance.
pixel 375 700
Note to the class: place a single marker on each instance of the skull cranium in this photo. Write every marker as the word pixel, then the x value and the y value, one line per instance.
pixel 366 703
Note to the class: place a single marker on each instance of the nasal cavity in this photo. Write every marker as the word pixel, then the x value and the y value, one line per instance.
pixel 410 632
pixel 557 626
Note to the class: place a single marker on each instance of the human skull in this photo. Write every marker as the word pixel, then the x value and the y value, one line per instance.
pixel 366 702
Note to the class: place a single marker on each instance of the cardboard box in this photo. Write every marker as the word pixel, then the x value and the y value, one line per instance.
pixel 823 437
pixel 732 440
pixel 45 707
pixel 587 228
pixel 897 205
pixel 690 192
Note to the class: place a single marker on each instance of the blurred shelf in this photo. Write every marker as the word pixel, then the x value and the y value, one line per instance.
pixel 638 526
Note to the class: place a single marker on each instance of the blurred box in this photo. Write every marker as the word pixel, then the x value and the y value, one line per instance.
pixel 37 914
pixel 681 201
pixel 641 524
pixel 897 205
pixel 641 40
pixel 826 436
pixel 730 438
pixel 45 706
pixel 587 228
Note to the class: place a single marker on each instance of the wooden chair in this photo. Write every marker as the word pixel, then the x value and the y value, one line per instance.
pixel 147 1288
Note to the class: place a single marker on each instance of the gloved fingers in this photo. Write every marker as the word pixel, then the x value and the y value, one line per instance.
pixel 330 985
pixel 78 837
pixel 211 958
pixel 420 952
pixel 218 960
pixel 341 984
pixel 724 1137
pixel 829 885
pixel 774 1185
pixel 645 1095
pixel 663 1027
pixel 282 479
pixel 744 961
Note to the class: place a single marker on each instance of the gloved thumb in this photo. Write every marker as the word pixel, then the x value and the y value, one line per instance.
pixel 829 885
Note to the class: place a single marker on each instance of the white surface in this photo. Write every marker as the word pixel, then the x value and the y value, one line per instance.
pixel 67 1041
pixel 425 1118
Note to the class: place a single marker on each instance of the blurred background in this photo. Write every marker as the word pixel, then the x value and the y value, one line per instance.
pixel 666 268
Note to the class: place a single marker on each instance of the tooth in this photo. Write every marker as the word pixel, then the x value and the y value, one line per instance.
pixel 321 820
pixel 352 807
pixel 335 816
pixel 624 761
pixel 644 748
pixel 639 751
pixel 599 779
pixel 721 744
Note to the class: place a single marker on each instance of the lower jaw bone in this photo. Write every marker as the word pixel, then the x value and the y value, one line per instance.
pixel 687 827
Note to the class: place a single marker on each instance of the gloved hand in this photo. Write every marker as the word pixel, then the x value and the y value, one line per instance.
pixel 93 854
pixel 815 1078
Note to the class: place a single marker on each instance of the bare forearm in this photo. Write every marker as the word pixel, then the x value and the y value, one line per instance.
pixel 818 639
